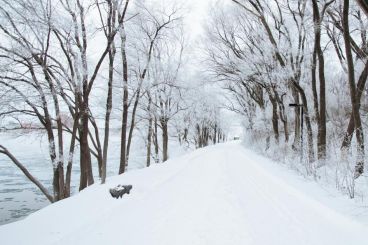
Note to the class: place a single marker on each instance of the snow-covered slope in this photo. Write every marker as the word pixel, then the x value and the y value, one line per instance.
pixel 222 194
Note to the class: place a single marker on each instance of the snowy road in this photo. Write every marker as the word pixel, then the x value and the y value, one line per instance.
pixel 217 195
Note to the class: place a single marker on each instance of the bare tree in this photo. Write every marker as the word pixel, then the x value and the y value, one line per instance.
pixel 32 72
pixel 159 23
pixel 359 168
pixel 78 15
pixel 318 54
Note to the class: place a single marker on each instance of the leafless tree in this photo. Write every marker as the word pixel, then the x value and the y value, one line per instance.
pixel 154 26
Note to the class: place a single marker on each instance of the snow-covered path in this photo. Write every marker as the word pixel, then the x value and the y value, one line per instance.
pixel 217 195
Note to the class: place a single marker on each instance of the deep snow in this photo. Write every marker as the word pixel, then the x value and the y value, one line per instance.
pixel 223 194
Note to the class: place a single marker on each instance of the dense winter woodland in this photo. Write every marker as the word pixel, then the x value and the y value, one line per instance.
pixel 91 89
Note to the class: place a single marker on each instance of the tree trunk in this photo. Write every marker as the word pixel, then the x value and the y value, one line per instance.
pixel 359 167
pixel 165 139
pixel 149 133
pixel 321 138
pixel 360 88
pixel 282 114
pixel 307 121
pixel 275 117
pixel 155 141
pixel 58 182
pixel 296 142
pixel 68 175
pixel 132 125
pixel 97 144
pixel 108 113
pixel 215 135
pixel 185 136
pixel 86 176
pixel 314 85
pixel 124 121
pixel 286 130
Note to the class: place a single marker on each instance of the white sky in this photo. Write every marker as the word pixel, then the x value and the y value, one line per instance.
pixel 198 10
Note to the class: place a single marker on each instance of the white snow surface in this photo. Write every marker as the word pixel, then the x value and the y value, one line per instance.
pixel 223 194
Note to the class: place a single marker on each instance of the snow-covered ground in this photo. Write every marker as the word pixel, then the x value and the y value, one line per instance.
pixel 19 197
pixel 223 194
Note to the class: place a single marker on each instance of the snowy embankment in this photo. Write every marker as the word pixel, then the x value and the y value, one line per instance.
pixel 222 194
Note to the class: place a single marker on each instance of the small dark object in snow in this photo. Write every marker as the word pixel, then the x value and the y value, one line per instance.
pixel 120 190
